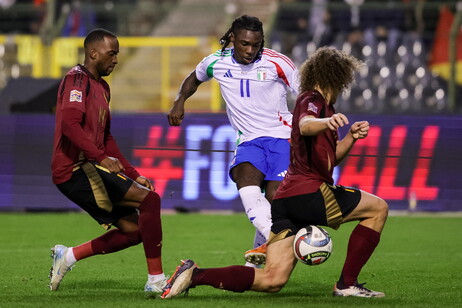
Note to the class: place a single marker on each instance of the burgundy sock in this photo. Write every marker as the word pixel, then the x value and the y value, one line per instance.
pixel 149 224
pixel 110 241
pixel 235 278
pixel 361 245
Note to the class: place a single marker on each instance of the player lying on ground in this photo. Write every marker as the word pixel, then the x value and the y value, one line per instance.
pixel 307 195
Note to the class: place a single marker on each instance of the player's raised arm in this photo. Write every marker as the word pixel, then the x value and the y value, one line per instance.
pixel 311 126
pixel 358 130
pixel 188 87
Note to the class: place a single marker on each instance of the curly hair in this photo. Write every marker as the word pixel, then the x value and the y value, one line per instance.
pixel 329 69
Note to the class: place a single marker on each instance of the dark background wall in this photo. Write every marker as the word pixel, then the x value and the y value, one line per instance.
pixel 404 160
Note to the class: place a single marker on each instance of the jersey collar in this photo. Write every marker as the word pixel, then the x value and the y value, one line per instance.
pixel 257 59
pixel 83 68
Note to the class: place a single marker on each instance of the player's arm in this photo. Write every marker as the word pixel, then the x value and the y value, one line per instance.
pixel 358 130
pixel 188 87
pixel 113 151
pixel 73 96
pixel 293 78
pixel 72 129
pixel 312 126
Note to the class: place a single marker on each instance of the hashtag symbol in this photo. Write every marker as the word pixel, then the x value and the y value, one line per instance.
pixel 157 164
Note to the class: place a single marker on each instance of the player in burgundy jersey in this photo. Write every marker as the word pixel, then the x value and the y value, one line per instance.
pixel 88 168
pixel 308 195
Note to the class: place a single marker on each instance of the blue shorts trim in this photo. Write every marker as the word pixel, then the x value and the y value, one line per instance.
pixel 269 155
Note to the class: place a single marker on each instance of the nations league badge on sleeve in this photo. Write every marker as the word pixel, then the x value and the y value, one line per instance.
pixel 76 96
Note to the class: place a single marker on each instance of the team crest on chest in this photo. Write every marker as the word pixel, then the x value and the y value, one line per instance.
pixel 261 74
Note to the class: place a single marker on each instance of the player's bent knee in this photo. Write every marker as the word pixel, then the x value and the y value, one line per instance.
pixel 151 203
pixel 275 286
pixel 154 196
pixel 381 213
pixel 136 193
pixel 274 283
pixel 382 208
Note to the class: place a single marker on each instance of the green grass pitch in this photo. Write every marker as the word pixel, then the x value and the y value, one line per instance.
pixel 417 264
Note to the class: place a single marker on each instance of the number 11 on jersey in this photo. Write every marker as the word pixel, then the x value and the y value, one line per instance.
pixel 245 88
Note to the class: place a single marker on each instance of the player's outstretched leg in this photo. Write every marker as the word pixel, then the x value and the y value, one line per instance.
pixel 59 267
pixel 180 280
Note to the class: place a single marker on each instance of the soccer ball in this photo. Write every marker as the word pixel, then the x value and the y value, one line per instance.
pixel 312 245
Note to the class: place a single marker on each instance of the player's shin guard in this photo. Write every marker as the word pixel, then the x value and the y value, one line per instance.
pixel 150 226
pixel 361 245
pixel 233 278
pixel 112 241
pixel 257 208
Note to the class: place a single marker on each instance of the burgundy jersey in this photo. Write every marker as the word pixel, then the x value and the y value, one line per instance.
pixel 82 129
pixel 312 158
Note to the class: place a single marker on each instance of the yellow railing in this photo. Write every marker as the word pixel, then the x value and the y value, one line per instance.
pixel 29 52
pixel 53 61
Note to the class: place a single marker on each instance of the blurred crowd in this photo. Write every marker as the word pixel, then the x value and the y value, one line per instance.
pixel 357 22
pixel 52 18
pixel 394 38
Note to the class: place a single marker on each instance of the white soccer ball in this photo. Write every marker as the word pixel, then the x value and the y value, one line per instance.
pixel 312 245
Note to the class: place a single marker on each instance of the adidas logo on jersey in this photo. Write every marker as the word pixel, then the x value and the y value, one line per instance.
pixel 228 74
pixel 283 173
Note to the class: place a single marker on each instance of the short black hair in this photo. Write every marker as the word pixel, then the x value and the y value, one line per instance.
pixel 244 22
pixel 97 35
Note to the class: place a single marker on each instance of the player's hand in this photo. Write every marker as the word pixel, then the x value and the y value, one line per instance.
pixel 176 115
pixel 112 164
pixel 337 120
pixel 145 182
pixel 359 130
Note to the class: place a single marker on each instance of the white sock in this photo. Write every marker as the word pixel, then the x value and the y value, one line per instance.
pixel 259 239
pixel 155 278
pixel 257 208
pixel 70 258
pixel 248 264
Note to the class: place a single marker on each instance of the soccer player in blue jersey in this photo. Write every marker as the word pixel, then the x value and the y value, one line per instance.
pixel 254 82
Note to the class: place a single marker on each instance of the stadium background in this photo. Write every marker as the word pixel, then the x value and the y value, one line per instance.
pixel 410 93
